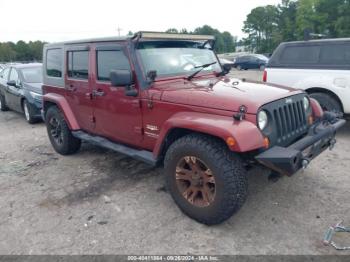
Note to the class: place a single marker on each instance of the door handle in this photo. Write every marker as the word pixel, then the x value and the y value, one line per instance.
pixel 72 88
pixel 98 92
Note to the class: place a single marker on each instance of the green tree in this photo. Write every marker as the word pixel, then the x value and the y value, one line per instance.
pixel 172 30
pixel 286 20
pixel 224 43
pixel 342 23
pixel 7 53
pixel 261 25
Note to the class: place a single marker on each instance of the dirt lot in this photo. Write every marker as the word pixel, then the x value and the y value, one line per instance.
pixel 101 202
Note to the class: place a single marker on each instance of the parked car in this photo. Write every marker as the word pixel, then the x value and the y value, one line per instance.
pixel 228 63
pixel 254 61
pixel 20 90
pixel 320 67
pixel 141 96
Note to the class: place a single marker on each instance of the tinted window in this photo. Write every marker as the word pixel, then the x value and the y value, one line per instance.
pixel 110 60
pixel 78 64
pixel 300 55
pixel 13 75
pixel 336 54
pixel 54 62
pixel 32 74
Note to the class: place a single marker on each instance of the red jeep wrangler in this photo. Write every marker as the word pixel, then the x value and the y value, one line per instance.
pixel 165 99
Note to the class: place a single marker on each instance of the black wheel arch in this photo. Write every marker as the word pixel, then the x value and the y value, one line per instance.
pixel 175 134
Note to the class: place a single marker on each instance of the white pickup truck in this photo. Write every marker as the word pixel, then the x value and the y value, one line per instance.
pixel 320 67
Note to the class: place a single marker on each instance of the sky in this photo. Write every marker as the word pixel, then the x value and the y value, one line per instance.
pixel 61 20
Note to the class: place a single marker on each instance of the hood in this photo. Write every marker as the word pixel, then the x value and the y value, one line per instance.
pixel 34 87
pixel 224 94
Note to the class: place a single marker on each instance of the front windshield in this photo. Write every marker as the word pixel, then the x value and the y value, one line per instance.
pixel 32 74
pixel 176 58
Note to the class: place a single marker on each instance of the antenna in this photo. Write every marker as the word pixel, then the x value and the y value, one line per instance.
pixel 119 30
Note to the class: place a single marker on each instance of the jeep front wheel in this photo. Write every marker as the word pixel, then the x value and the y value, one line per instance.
pixel 59 133
pixel 206 180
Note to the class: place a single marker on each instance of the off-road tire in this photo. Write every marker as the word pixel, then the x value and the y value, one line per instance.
pixel 3 106
pixel 229 173
pixel 29 118
pixel 70 144
pixel 327 102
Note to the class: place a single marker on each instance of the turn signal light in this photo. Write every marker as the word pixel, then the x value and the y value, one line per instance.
pixel 266 142
pixel 311 120
pixel 230 141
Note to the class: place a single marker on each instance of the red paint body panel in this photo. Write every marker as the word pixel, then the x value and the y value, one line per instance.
pixel 63 105
pixel 118 117
pixel 246 135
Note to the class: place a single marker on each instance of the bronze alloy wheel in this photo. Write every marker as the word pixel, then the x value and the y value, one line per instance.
pixel 195 181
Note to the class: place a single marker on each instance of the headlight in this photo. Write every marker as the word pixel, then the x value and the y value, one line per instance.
pixel 306 103
pixel 35 95
pixel 262 120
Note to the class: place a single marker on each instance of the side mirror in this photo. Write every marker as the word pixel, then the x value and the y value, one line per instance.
pixel 121 77
pixel 12 83
pixel 151 75
pixel 226 68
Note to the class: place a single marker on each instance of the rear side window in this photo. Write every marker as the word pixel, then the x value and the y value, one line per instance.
pixel 300 55
pixel 54 62
pixel 336 54
pixel 110 60
pixel 78 64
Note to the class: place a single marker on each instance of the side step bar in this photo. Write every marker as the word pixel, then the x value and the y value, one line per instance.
pixel 141 155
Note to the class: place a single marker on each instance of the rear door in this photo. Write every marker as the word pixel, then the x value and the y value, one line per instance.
pixel 118 117
pixel 78 85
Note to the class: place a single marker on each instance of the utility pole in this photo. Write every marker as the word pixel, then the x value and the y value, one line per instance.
pixel 119 30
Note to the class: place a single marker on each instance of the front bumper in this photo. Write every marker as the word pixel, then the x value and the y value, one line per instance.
pixel 36 108
pixel 289 160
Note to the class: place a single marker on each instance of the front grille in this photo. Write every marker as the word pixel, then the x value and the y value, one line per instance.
pixel 289 120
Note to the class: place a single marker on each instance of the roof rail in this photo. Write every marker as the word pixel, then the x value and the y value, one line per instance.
pixel 175 36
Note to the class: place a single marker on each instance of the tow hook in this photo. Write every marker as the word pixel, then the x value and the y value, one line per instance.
pixel 327 239
pixel 304 163
pixel 332 144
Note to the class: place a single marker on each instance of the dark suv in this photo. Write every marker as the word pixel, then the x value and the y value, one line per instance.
pixel 20 90
pixel 165 99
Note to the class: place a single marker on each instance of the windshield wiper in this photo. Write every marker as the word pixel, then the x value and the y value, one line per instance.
pixel 198 71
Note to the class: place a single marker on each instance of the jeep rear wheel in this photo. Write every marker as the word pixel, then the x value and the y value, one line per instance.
pixel 207 181
pixel 327 102
pixel 59 133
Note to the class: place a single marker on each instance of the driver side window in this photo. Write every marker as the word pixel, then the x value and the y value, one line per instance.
pixel 14 77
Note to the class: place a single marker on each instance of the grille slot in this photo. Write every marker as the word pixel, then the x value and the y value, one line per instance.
pixel 290 120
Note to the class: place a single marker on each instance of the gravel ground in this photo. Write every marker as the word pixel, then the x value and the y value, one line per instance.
pixel 101 202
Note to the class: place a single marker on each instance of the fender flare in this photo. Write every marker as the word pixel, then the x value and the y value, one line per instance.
pixel 246 134
pixel 63 105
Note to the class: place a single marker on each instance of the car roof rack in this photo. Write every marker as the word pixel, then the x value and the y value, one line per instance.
pixel 174 36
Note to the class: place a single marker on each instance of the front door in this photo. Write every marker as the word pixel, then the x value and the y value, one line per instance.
pixel 78 86
pixel 13 93
pixel 118 117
